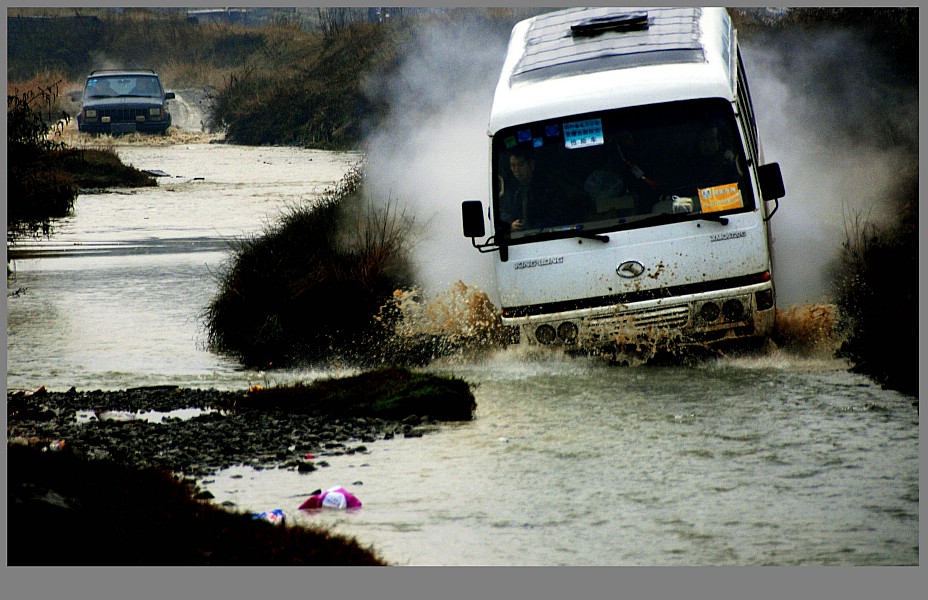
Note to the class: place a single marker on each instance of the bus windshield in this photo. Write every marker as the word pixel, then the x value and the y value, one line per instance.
pixel 624 168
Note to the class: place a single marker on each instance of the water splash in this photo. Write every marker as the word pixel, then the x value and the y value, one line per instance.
pixel 809 329
pixel 458 322
pixel 462 325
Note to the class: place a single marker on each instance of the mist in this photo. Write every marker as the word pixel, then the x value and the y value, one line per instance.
pixel 844 138
pixel 432 152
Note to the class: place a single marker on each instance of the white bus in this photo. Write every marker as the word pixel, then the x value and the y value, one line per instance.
pixel 629 196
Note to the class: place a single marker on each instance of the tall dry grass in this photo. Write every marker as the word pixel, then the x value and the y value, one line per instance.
pixel 310 288
pixel 876 293
pixel 59 85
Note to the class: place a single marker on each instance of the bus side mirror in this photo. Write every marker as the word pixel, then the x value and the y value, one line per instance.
pixel 474 227
pixel 771 185
pixel 771 181
pixel 472 216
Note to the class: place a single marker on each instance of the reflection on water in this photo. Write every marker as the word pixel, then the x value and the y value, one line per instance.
pixel 152 416
pixel 786 458
pixel 114 298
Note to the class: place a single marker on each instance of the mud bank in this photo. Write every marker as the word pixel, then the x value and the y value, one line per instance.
pixel 195 432
pixel 108 477
pixel 67 511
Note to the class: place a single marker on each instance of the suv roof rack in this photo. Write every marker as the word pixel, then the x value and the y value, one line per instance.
pixel 95 71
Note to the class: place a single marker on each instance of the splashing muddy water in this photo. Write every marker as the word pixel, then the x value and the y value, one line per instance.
pixel 785 458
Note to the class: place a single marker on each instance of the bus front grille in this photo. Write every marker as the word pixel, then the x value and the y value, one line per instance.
pixel 639 322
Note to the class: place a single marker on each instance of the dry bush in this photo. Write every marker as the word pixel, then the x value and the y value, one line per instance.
pixel 311 287
pixel 180 74
pixel 876 291
pixel 57 102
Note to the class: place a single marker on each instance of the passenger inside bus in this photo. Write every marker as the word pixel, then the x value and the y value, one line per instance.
pixel 620 183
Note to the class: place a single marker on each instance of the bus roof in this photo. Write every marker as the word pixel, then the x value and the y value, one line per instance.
pixel 580 60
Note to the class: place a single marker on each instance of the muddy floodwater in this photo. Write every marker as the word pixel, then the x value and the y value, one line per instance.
pixel 114 298
pixel 773 460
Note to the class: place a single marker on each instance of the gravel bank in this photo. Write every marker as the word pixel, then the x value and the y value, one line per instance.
pixel 128 426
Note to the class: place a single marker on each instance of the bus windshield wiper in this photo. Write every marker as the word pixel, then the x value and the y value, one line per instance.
pixel 589 235
pixel 570 231
pixel 665 218
pixel 712 217
pixel 578 231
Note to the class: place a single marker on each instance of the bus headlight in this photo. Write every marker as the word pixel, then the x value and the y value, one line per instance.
pixel 567 331
pixel 709 312
pixel 545 334
pixel 733 309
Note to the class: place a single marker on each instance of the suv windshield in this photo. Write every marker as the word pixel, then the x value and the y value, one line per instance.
pixel 141 86
pixel 624 168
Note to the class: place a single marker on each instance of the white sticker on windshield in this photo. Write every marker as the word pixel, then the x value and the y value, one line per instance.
pixel 581 134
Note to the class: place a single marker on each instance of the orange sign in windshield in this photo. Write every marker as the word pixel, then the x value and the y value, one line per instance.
pixel 720 197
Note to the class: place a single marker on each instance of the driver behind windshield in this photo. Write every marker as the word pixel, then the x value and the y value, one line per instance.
pixel 714 162
pixel 530 199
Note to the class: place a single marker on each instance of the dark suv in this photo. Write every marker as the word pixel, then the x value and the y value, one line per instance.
pixel 117 102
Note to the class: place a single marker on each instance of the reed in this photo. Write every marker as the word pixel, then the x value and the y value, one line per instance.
pixel 876 292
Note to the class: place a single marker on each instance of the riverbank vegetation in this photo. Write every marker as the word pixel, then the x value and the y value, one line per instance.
pixel 876 288
pixel 313 287
pixel 44 176
pixel 36 195
pixel 307 89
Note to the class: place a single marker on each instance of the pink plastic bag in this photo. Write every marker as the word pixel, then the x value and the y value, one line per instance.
pixel 336 497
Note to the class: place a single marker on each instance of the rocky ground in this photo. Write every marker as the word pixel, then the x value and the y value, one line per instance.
pixel 120 425
pixel 108 477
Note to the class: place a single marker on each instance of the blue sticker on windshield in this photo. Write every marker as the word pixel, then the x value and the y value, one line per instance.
pixel 538 142
pixel 580 134
pixel 552 130
pixel 524 135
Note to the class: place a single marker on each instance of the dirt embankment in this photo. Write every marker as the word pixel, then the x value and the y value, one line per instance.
pixel 66 511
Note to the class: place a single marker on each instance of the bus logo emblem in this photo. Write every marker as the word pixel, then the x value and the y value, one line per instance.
pixel 630 269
